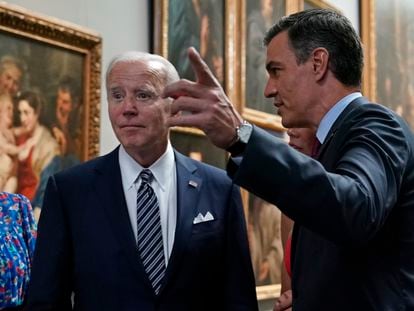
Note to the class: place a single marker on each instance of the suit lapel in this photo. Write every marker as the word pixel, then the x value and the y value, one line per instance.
pixel 340 121
pixel 108 187
pixel 188 189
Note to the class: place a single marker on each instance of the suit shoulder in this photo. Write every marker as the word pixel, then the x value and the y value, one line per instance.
pixel 373 115
pixel 377 125
pixel 374 109
pixel 84 170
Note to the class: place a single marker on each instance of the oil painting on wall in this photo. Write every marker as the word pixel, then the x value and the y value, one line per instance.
pixel 49 100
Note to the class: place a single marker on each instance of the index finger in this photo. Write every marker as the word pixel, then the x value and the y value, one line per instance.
pixel 202 71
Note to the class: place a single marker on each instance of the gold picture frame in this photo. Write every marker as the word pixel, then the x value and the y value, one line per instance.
pixel 53 55
pixel 368 37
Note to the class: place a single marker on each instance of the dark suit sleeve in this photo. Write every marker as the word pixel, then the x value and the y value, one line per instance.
pixel 350 203
pixel 50 284
pixel 240 282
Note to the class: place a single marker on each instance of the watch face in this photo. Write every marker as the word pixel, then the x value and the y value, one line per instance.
pixel 245 130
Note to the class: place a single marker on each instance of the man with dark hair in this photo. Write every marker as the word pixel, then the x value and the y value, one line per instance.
pixel 66 127
pixel 353 240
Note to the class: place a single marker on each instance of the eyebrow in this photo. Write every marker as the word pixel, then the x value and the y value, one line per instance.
pixel 114 88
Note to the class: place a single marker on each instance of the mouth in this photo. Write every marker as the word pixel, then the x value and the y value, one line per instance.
pixel 131 126
pixel 277 103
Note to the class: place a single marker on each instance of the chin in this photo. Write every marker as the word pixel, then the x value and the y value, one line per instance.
pixel 133 143
pixel 286 123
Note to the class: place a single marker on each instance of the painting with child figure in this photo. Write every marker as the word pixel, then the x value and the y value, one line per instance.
pixel 45 103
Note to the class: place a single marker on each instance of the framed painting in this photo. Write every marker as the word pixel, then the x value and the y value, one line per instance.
pixel 257 18
pixel 264 232
pixel 208 25
pixel 265 241
pixel 180 24
pixel 388 34
pixel 49 98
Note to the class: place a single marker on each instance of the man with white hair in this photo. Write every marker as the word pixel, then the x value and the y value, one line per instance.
pixel 143 227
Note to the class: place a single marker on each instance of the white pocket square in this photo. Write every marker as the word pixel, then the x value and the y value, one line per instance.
pixel 201 218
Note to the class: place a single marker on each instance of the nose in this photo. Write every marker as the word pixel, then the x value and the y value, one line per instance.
pixel 270 89
pixel 291 132
pixel 130 108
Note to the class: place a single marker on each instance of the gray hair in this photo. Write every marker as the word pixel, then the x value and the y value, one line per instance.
pixel 171 74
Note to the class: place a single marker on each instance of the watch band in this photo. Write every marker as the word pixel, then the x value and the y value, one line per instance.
pixel 237 148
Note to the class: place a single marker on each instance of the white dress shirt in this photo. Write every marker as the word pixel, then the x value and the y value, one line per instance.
pixel 330 117
pixel 165 187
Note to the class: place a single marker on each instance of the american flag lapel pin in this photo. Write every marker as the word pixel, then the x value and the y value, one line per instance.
pixel 193 184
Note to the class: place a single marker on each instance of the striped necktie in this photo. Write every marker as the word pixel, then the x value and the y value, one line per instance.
pixel 150 245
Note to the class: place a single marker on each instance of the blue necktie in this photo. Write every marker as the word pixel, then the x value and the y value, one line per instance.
pixel 150 245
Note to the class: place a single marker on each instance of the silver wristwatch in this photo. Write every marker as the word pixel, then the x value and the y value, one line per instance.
pixel 243 133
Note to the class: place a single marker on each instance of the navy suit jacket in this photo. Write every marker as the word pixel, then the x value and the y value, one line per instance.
pixel 86 245
pixel 353 242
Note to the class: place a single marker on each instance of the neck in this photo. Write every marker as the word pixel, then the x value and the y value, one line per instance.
pixel 147 156
pixel 330 94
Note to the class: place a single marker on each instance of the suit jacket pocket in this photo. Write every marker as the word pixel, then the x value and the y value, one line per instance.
pixel 206 228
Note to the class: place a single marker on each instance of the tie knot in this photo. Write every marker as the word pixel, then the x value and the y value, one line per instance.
pixel 146 176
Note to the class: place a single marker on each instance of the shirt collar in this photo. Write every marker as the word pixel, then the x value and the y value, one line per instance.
pixel 161 169
pixel 330 117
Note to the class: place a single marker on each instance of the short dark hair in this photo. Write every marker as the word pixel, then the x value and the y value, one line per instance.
pixel 310 29
pixel 34 99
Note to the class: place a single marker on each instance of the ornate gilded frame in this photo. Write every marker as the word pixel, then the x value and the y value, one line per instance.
pixel 31 27
pixel 368 37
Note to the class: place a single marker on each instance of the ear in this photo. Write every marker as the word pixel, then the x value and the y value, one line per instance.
pixel 320 60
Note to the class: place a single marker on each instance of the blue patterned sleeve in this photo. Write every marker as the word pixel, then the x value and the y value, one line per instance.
pixel 28 224
pixel 17 243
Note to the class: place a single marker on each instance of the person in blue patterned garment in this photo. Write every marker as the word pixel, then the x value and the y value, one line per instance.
pixel 17 243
